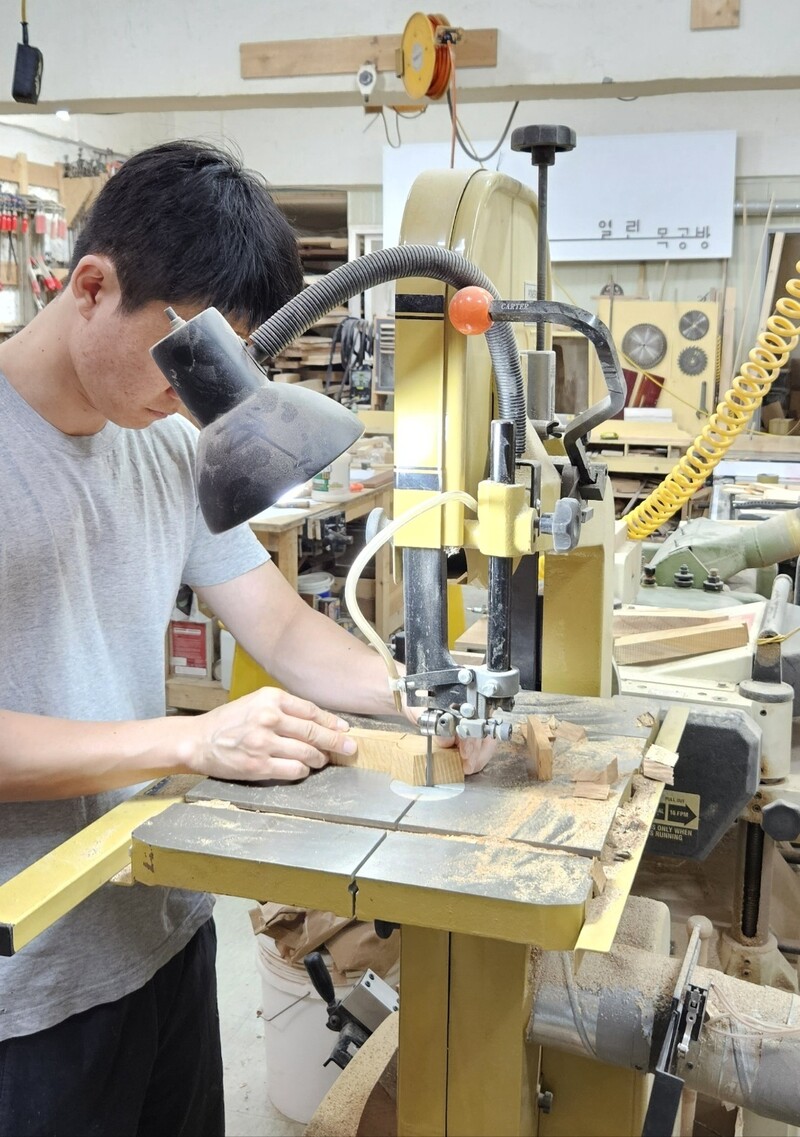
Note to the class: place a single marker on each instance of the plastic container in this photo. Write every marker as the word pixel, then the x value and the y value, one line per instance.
pixel 226 647
pixel 333 484
pixel 296 1039
pixel 313 586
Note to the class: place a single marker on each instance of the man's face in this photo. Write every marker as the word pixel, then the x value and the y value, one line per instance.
pixel 115 371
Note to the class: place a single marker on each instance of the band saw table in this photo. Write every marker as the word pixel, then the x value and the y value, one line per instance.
pixel 473 877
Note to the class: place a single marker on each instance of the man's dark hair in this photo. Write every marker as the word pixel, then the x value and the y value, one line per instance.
pixel 185 222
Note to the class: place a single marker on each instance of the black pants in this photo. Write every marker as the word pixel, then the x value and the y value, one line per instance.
pixel 147 1065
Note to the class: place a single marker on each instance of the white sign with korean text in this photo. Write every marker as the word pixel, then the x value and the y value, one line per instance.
pixel 624 197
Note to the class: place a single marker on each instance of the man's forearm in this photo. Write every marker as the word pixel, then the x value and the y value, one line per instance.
pixel 319 660
pixel 308 653
pixel 46 758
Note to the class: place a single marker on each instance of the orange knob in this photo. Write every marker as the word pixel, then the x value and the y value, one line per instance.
pixel 469 310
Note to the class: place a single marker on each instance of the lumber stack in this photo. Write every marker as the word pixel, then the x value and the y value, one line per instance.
pixel 307 358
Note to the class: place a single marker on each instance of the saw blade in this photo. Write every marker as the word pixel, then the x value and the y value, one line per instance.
pixel 645 345
pixel 693 325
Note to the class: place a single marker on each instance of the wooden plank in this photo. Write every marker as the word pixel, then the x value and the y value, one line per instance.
pixel 726 362
pixel 186 693
pixel 633 623
pixel 41 176
pixel 714 14
pixel 768 298
pixel 343 55
pixel 654 647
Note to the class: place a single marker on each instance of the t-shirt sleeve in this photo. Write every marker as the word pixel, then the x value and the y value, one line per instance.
pixel 215 558
pixel 212 558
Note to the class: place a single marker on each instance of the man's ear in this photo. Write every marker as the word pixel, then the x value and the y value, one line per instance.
pixel 94 282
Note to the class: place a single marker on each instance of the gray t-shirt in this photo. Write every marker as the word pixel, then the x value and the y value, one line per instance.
pixel 98 534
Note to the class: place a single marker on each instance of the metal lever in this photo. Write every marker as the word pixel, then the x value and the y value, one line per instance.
pixel 323 984
pixel 550 312
pixel 685 1022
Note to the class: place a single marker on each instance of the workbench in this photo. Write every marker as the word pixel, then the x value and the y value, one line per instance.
pixel 474 876
pixel 279 530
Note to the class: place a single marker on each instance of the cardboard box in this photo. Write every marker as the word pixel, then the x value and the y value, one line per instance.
pixel 782 426
pixel 191 648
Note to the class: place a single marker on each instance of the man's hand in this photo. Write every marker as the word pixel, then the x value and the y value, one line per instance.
pixel 267 735
pixel 475 752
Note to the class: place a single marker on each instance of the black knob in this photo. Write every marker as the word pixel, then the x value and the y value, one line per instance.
pixel 683 578
pixel 780 820
pixel 321 978
pixel 543 142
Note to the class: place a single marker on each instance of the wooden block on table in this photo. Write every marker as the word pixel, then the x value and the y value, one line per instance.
pixel 597 791
pixel 540 749
pixel 602 775
pixel 566 736
pixel 655 647
pixel 659 764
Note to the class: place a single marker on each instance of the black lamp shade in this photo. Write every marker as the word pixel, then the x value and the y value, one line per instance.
pixel 259 439
pixel 276 439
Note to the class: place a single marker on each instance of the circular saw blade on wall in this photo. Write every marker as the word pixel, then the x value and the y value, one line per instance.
pixel 645 345
pixel 668 352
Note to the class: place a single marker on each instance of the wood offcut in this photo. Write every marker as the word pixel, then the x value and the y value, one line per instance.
pixel 595 783
pixel 680 643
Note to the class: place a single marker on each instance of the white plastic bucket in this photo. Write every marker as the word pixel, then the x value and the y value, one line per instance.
pixel 313 585
pixel 297 1040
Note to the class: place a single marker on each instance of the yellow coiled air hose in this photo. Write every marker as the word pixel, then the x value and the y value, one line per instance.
pixel 732 415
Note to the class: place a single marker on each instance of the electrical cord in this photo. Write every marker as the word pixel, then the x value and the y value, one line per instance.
pixel 467 150
pixel 362 560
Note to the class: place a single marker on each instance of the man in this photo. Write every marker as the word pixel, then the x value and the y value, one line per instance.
pixel 108 1020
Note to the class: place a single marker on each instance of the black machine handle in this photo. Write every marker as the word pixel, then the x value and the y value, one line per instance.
pixel 321 978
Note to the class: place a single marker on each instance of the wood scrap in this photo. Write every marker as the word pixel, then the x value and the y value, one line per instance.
pixel 596 791
pixel 595 782
pixel 604 775
pixel 599 877
pixel 567 736
pixel 540 749
pixel 632 623
pixel 680 643
pixel 659 764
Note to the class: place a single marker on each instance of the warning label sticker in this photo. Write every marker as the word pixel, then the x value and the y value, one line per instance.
pixel 676 817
